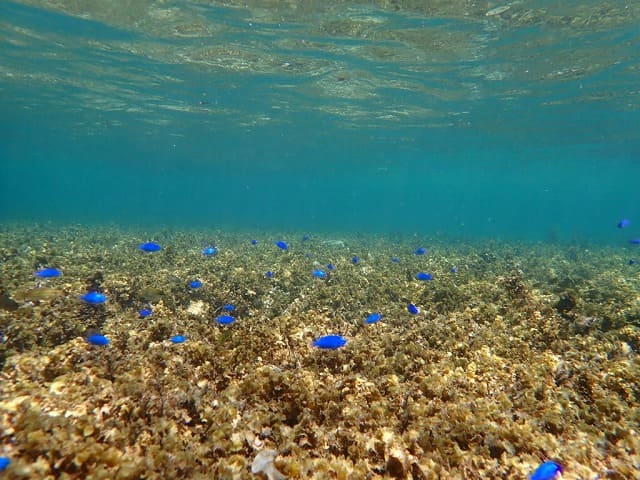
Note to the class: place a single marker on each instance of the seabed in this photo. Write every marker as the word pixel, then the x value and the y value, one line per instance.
pixel 526 353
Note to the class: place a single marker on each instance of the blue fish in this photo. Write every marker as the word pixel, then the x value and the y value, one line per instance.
pixel 330 342
pixel 305 238
pixel 319 273
pixel 144 312
pixel 632 261
pixel 546 471
pixel 269 274
pixel 178 339
pixel 98 339
pixel 424 276
pixel 195 284
pixel 635 241
pixel 624 223
pixel 281 245
pixel 228 307
pixel 373 318
pixel 454 269
pixel 331 267
pixel 254 241
pixel 395 259
pixel 94 298
pixel 225 319
pixel 48 273
pixel 209 251
pixel 355 260
pixel 150 247
pixel 412 309
pixel 308 256
pixel 420 251
pixel 4 463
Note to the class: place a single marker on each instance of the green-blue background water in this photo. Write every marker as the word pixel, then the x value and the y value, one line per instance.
pixel 436 119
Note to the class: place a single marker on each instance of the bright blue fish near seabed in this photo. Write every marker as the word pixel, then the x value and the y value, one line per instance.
pixel 549 470
pixel 4 463
pixel 48 273
pixel 281 245
pixel 225 319
pixel 330 342
pixel 420 251
pixel 150 247
pixel 209 251
pixel 373 318
pixel 624 223
pixel 94 298
pixel 319 273
pixel 412 309
pixel 144 312
pixel 178 339
pixel 98 339
pixel 424 276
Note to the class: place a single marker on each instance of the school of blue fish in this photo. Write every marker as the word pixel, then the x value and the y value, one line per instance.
pixel 547 470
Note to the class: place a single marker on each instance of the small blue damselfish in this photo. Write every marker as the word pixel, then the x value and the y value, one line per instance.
pixel 94 298
pixel 281 245
pixel 225 319
pixel 150 247
pixel 209 251
pixel 330 342
pixel 373 318
pixel 319 273
pixel 424 276
pixel 548 470
pixel 178 339
pixel 98 339
pixel 48 273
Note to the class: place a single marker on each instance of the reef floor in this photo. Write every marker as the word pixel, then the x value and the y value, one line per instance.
pixel 521 353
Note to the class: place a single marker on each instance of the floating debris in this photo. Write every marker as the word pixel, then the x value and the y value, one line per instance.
pixel 263 463
pixel 150 247
pixel 48 272
pixel 330 342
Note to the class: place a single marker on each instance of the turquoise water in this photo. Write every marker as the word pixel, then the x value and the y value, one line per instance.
pixel 449 120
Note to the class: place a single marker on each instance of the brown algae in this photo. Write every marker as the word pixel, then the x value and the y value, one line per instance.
pixel 527 352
